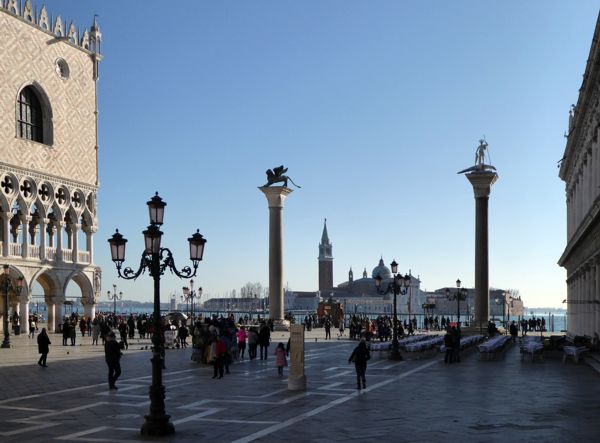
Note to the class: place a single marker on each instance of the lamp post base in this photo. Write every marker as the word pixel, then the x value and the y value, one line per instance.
pixel 5 345
pixel 395 351
pixel 157 425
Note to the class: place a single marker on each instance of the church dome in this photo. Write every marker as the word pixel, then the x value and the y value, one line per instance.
pixel 382 270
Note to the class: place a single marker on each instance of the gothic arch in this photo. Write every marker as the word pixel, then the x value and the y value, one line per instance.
pixel 84 283
pixel 47 125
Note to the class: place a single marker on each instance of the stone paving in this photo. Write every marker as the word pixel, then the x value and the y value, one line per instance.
pixel 407 401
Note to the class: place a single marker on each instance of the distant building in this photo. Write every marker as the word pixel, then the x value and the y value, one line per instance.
pixel 580 170
pixel 244 304
pixel 513 306
pixel 325 261
pixel 305 301
pixel 362 295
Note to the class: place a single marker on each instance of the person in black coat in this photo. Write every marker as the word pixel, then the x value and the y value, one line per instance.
pixel 112 353
pixel 43 347
pixel 264 338
pixel 360 356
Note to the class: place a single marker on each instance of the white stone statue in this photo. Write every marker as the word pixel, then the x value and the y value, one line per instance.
pixel 480 153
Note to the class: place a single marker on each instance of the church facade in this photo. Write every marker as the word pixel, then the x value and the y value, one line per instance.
pixel 48 157
pixel 580 170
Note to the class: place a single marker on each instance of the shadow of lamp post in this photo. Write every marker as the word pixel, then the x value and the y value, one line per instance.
pixel 399 285
pixel 7 287
pixel 156 260
pixel 460 294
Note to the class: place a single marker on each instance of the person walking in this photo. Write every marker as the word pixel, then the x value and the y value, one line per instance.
pixel 252 343
pixel 264 338
pixel 360 356
pixel 43 347
pixel 241 339
pixel 124 333
pixel 327 325
pixel 280 358
pixel 513 331
pixel 31 327
pixel 449 345
pixel 95 332
pixel 183 335
pixel 219 356
pixel 112 354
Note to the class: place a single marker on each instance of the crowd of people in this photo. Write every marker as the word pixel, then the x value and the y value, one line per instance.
pixel 221 340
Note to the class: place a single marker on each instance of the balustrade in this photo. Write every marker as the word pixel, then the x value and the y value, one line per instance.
pixel 83 257
pixel 67 255
pixel 34 251
pixel 15 250
pixel 51 253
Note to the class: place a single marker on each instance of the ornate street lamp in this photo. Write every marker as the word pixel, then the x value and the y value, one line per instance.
pixel 502 301
pixel 460 294
pixel 189 294
pixel 156 260
pixel 400 286
pixel 114 296
pixel 7 286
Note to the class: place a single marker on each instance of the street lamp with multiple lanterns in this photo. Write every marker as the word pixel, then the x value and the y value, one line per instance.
pixel 460 294
pixel 114 296
pixel 156 260
pixel 502 301
pixel 189 294
pixel 399 285
pixel 7 287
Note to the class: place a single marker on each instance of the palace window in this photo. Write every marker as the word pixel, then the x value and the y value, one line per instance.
pixel 29 116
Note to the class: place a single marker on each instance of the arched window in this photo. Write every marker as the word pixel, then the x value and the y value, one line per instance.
pixel 30 118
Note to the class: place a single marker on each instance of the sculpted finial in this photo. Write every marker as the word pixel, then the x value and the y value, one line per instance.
pixel 276 175
pixel 480 155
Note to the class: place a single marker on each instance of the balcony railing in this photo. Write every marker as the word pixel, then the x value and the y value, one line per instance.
pixel 15 250
pixel 67 254
pixel 34 251
pixel 51 253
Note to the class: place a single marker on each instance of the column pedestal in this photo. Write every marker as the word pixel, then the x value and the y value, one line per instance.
pixel 275 197
pixel 482 182
pixel 296 376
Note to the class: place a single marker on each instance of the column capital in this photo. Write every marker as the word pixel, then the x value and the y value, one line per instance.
pixel 275 195
pixel 482 182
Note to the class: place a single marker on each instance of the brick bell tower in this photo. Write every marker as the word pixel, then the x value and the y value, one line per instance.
pixel 325 261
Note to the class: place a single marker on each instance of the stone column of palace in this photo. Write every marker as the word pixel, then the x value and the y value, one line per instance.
pixel 275 197
pixel 482 182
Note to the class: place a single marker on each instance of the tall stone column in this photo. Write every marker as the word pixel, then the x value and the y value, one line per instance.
pixel 275 197
pixel 482 181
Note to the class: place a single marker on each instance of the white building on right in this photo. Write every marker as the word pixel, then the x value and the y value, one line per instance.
pixel 580 170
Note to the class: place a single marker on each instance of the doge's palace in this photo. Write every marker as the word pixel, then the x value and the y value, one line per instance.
pixel 48 156
pixel 580 170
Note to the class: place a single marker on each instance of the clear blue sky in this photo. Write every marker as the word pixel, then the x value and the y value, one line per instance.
pixel 373 106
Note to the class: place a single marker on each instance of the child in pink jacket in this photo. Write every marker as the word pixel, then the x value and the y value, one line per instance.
pixel 280 359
